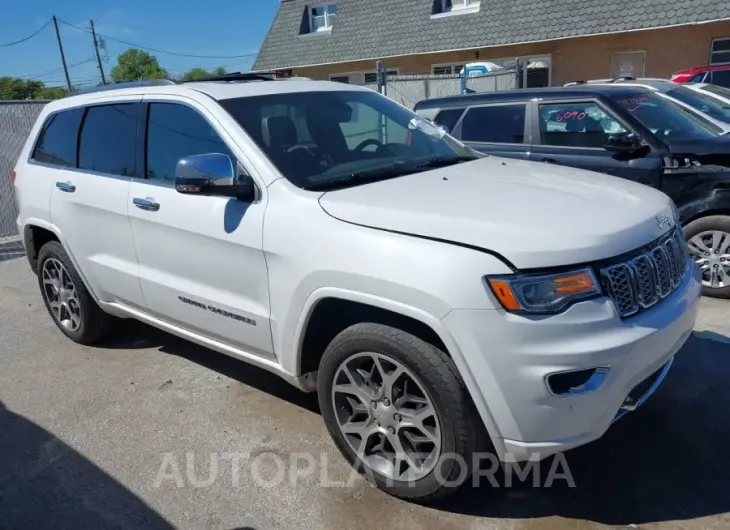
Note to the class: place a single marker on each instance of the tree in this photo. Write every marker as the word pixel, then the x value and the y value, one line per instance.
pixel 135 65
pixel 201 73
pixel 13 88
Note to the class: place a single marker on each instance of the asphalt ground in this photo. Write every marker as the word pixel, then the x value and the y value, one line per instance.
pixel 150 431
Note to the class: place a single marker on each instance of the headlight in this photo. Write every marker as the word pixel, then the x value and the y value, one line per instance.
pixel 544 293
pixel 675 212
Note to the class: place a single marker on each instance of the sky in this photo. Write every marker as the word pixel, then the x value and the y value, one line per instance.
pixel 226 29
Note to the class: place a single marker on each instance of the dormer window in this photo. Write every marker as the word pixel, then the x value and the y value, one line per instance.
pixel 322 17
pixel 454 7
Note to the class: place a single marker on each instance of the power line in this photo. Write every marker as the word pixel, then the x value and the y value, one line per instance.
pixel 55 70
pixel 161 51
pixel 44 26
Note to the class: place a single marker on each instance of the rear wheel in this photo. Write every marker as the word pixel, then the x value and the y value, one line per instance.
pixel 708 240
pixel 398 411
pixel 68 301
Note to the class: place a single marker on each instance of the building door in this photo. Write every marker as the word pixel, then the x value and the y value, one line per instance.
pixel 628 64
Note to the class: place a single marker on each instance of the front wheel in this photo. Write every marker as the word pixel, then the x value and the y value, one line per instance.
pixel 708 241
pixel 398 411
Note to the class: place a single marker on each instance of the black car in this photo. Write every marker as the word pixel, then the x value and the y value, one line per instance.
pixel 626 131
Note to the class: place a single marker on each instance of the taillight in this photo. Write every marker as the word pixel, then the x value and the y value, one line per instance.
pixel 13 175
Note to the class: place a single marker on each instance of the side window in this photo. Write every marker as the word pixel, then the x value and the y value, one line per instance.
pixel 108 135
pixel 581 124
pixel 721 77
pixel 699 78
pixel 503 124
pixel 448 118
pixel 174 132
pixel 57 142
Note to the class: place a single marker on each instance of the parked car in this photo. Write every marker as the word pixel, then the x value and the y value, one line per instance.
pixel 435 298
pixel 619 129
pixel 717 75
pixel 704 104
pixel 720 93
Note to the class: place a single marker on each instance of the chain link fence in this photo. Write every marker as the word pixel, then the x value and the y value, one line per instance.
pixel 16 121
pixel 410 89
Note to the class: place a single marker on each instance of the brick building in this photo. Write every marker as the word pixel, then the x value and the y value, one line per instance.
pixel 560 40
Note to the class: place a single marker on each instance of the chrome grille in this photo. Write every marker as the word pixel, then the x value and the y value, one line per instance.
pixel 648 275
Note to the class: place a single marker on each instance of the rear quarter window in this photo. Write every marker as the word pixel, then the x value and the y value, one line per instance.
pixel 448 118
pixel 503 124
pixel 57 141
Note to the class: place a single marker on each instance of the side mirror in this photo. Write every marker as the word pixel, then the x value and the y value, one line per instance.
pixel 623 143
pixel 212 174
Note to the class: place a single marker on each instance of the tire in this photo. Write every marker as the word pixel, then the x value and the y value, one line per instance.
pixel 92 324
pixel 462 432
pixel 704 225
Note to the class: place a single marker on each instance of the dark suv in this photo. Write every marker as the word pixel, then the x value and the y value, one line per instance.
pixel 626 131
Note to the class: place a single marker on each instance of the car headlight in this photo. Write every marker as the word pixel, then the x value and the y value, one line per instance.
pixel 543 293
pixel 675 212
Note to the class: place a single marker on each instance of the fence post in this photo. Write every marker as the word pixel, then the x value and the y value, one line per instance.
pixel 383 89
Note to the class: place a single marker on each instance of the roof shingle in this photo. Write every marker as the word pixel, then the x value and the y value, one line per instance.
pixel 366 29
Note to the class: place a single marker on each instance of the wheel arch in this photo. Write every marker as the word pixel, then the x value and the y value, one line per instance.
pixel 437 333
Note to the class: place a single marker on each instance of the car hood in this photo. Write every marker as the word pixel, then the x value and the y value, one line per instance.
pixel 709 151
pixel 532 214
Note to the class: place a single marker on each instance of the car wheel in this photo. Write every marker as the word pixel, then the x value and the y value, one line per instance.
pixel 708 241
pixel 399 412
pixel 69 303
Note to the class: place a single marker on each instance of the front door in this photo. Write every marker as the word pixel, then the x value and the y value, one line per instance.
pixel 573 133
pixel 201 258
pixel 89 201
pixel 628 64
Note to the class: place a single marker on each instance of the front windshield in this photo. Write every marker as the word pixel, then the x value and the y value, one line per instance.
pixel 332 139
pixel 705 103
pixel 666 119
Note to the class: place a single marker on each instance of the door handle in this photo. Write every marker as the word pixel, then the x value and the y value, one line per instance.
pixel 66 186
pixel 148 204
pixel 549 161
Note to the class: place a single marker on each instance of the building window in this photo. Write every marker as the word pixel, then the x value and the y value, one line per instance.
pixel 454 7
pixel 720 51
pixel 446 69
pixel 322 17
pixel 340 78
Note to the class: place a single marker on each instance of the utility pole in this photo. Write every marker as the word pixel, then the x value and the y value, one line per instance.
pixel 63 57
pixel 96 48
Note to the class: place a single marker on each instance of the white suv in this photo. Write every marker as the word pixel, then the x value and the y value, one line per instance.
pixel 436 299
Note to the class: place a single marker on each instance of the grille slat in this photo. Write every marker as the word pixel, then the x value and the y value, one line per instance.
pixel 648 275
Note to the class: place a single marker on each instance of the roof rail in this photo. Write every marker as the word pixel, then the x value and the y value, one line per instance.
pixel 573 83
pixel 233 76
pixel 130 84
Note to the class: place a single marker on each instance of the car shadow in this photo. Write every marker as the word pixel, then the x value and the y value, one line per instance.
pixel 132 334
pixel 44 483
pixel 664 462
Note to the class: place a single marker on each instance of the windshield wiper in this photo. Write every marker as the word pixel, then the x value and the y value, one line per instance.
pixel 443 161
pixel 396 169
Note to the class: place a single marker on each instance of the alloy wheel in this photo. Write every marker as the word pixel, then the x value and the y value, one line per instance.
pixel 387 417
pixel 60 291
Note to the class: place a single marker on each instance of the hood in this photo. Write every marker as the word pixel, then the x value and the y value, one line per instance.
pixel 709 151
pixel 532 214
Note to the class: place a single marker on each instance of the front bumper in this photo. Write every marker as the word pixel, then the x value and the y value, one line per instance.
pixel 510 358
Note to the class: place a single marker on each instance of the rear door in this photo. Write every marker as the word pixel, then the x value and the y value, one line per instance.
pixel 573 133
pixel 500 129
pixel 89 199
